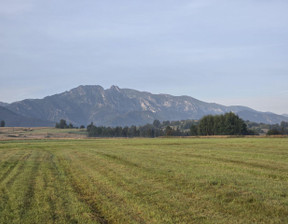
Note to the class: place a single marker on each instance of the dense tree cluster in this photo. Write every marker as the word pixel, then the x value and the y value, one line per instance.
pixel 63 125
pixel 277 129
pixel 227 124
pixel 269 129
pixel 2 124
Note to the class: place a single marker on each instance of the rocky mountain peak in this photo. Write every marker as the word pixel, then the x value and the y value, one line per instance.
pixel 115 88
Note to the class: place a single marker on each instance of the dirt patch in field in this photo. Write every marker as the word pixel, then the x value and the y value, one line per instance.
pixel 9 133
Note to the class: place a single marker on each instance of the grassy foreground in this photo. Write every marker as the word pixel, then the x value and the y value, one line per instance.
pixel 231 180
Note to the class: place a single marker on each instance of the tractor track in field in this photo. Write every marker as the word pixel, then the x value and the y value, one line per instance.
pixel 51 202
pixel 4 200
pixel 29 196
pixel 245 163
pixel 6 174
pixel 128 164
pixel 97 215
pixel 85 198
pixel 19 171
pixel 20 161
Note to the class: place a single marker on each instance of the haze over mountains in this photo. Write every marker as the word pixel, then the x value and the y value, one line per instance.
pixel 118 107
pixel 15 120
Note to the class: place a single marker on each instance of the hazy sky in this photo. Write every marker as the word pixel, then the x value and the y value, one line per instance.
pixel 223 51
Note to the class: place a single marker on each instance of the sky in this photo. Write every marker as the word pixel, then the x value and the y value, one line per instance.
pixel 222 51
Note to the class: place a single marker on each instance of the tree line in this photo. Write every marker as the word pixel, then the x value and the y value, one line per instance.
pixel 224 124
pixel 62 124
pixel 148 130
pixel 277 129
pixel 227 124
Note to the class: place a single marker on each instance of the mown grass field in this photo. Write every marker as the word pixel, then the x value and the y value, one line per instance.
pixel 215 180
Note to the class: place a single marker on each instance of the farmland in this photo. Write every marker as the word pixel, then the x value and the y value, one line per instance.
pixel 162 180
pixel 12 133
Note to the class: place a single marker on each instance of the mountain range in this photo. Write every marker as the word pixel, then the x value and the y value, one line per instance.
pixel 15 120
pixel 118 107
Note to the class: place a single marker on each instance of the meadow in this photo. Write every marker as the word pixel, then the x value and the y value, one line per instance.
pixel 162 180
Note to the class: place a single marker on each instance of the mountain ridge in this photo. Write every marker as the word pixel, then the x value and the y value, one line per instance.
pixel 124 107
pixel 15 120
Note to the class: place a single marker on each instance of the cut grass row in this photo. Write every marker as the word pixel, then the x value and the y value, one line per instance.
pixel 144 181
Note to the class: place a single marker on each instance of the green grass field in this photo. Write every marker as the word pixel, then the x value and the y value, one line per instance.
pixel 215 180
